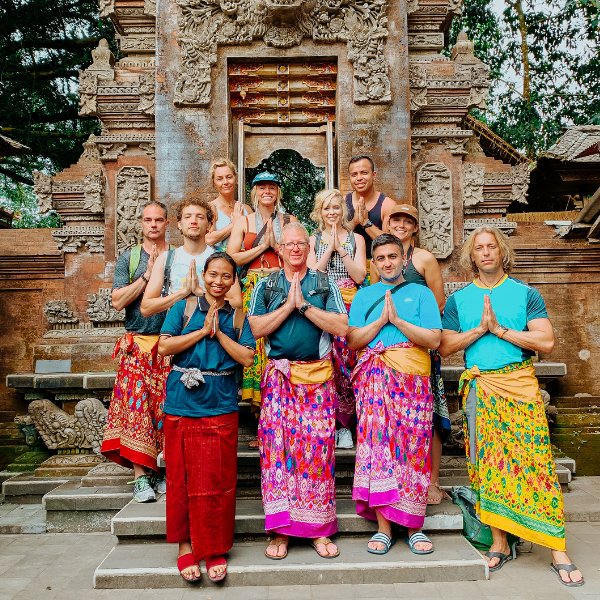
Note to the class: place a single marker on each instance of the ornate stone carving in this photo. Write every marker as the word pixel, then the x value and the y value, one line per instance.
pixel 455 7
pixel 282 24
pixel 434 192
pixel 57 428
pixel 85 332
pixel 473 184
pixel 418 88
pixel 412 6
pixel 452 286
pixel 101 309
pixel 91 416
pixel 69 239
pixel 88 89
pixel 520 182
pixel 149 148
pixel 28 429
pixel 103 59
pixel 150 7
pixel 111 151
pixel 42 188
pixel 146 92
pixel 498 178
pixel 455 145
pixel 507 227
pixel 138 44
pixel 463 50
pixel 58 312
pixel 91 154
pixel 107 7
pixel 93 192
pixel 133 189
pixel 426 41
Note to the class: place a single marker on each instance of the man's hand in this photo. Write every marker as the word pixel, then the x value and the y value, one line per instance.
pixel 298 297
pixel 290 303
pixel 151 260
pixel 363 213
pixel 391 308
pixel 385 313
pixel 191 280
pixel 484 325
pixel 492 321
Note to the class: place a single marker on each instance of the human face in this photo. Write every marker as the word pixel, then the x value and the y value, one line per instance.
pixel 362 177
pixel 486 254
pixel 224 180
pixel 267 193
pixel 154 223
pixel 402 227
pixel 194 222
pixel 388 260
pixel 296 255
pixel 218 278
pixel 332 212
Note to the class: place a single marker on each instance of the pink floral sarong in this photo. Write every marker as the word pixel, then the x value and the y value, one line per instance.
pixel 393 466
pixel 296 436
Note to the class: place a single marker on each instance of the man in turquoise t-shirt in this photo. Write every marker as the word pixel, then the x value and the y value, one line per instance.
pixel 395 323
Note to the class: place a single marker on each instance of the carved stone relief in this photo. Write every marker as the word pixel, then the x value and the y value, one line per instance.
pixel 58 312
pixel 88 89
pixel 93 192
pixel 42 188
pixel 104 60
pixel 107 7
pixel 520 182
pixel 473 184
pixel 146 92
pixel 507 227
pixel 91 416
pixel 111 151
pixel 418 88
pixel 101 309
pixel 282 24
pixel 452 286
pixel 149 148
pixel 150 7
pixel 27 427
pixel 91 154
pixel 456 145
pixel 69 239
pixel 86 332
pixel 434 192
pixel 133 190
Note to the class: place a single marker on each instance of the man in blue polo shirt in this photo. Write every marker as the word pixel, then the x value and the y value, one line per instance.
pixel 295 310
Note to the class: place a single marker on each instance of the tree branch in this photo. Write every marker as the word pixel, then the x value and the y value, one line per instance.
pixel 41 75
pixel 62 44
pixel 16 176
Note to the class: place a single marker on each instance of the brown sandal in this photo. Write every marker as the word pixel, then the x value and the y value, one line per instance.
pixel 253 444
pixel 278 542
pixel 435 494
pixel 324 541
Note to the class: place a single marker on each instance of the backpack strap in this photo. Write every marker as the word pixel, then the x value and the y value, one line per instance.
pixel 318 238
pixel 239 318
pixel 134 261
pixel 167 273
pixel 190 307
pixel 286 219
pixel 353 243
pixel 272 288
pixel 380 300
pixel 322 288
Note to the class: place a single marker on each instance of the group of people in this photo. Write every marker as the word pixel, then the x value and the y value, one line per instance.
pixel 325 335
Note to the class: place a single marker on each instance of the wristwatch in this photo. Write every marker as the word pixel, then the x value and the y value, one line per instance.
pixel 500 335
pixel 369 223
pixel 304 307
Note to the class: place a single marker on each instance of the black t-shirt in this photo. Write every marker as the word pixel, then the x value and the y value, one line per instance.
pixel 134 321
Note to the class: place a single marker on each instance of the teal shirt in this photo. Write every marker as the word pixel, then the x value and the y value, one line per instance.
pixel 414 303
pixel 515 304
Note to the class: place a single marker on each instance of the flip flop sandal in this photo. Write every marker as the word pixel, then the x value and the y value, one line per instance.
pixel 277 542
pixel 381 538
pixel 568 569
pixel 185 561
pixel 417 538
pixel 325 541
pixel 215 561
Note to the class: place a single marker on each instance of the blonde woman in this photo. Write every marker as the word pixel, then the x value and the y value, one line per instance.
pixel 341 253
pixel 223 175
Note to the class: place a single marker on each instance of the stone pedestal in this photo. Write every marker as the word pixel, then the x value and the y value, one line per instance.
pixel 69 465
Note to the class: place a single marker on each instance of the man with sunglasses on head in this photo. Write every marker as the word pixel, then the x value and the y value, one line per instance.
pixel 296 310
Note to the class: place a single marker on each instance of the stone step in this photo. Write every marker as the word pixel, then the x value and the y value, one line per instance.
pixel 153 565
pixel 149 520
pixel 25 488
pixel 107 474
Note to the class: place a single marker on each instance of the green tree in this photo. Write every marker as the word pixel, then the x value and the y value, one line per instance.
pixel 545 66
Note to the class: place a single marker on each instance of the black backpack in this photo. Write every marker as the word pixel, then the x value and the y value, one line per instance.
pixel 272 287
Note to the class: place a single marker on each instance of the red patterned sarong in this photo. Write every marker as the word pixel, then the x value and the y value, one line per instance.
pixel 296 436
pixel 395 411
pixel 133 431
pixel 201 457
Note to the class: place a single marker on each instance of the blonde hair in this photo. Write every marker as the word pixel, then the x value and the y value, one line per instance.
pixel 254 197
pixel 508 255
pixel 217 164
pixel 321 199
pixel 294 225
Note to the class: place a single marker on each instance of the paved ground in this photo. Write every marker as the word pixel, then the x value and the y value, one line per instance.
pixel 62 565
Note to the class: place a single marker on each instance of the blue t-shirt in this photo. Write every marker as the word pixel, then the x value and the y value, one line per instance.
pixel 414 303
pixel 297 338
pixel 218 395
pixel 514 303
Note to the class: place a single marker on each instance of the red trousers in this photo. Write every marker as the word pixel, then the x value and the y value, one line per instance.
pixel 201 458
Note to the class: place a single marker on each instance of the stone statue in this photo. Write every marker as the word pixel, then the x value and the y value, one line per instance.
pixel 42 188
pixel 57 428
pixel 58 312
pixel 91 416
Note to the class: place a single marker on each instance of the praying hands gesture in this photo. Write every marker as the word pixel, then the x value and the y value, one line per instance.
pixel 363 213
pixel 151 260
pixel 238 211
pixel 295 298
pixel 191 284
pixel 489 322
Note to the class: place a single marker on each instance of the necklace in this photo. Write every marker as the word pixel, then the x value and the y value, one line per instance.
pixel 494 285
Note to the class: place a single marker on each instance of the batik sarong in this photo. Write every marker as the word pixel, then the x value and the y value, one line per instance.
pixel 344 360
pixel 253 375
pixel 511 467
pixel 296 435
pixel 394 407
pixel 441 416
pixel 201 454
pixel 134 425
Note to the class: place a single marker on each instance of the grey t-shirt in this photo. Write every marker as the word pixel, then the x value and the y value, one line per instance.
pixel 134 321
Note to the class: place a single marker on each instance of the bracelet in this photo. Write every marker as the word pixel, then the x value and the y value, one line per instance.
pixel 144 278
pixel 342 257
pixel 502 333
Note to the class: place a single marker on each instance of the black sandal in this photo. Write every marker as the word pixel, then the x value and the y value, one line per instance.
pixel 569 569
pixel 503 557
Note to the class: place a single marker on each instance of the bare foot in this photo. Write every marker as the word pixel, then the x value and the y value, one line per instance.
pixel 420 546
pixel 502 548
pixel 217 571
pixel 189 573
pixel 278 547
pixel 325 549
pixel 561 558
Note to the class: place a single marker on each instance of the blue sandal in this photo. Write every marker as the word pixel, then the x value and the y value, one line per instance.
pixel 414 539
pixel 384 539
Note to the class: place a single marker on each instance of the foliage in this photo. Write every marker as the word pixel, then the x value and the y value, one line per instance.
pixel 43 44
pixel 545 66
pixel 20 200
pixel 300 181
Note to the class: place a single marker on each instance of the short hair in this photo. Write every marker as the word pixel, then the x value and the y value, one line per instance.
pixel 254 195
pixel 383 240
pixel 222 256
pixel 321 199
pixel 144 206
pixel 193 199
pixel 294 225
pixel 355 159
pixel 221 162
pixel 508 255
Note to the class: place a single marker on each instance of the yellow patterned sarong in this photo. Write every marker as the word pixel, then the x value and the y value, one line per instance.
pixel 513 472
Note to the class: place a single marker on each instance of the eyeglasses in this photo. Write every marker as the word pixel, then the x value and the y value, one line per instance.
pixel 290 245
